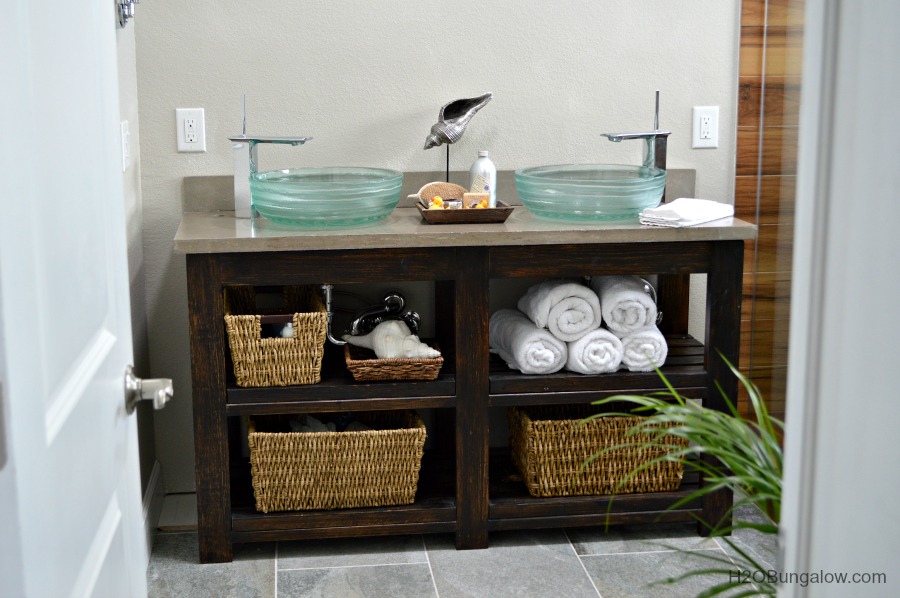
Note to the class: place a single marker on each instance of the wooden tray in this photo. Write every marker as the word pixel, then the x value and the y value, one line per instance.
pixel 466 216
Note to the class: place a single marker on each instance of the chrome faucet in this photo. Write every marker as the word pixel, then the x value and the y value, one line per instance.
pixel 655 150
pixel 246 161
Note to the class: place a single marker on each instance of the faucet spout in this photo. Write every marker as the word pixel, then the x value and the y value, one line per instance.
pixel 656 141
pixel 654 150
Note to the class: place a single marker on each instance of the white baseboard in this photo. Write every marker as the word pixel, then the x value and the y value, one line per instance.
pixel 153 504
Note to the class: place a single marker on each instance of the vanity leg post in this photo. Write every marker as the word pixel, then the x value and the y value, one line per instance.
pixel 206 311
pixel 723 339
pixel 471 323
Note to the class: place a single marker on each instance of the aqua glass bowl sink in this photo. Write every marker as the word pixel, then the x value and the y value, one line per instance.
pixel 590 191
pixel 333 196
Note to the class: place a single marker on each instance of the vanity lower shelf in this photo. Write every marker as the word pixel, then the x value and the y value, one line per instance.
pixel 434 511
pixel 512 507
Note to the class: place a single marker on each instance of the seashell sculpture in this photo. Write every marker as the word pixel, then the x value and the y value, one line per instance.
pixel 392 339
pixel 453 118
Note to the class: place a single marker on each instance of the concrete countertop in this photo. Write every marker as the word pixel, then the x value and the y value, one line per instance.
pixel 221 232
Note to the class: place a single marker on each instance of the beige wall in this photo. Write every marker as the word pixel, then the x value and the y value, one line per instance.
pixel 367 80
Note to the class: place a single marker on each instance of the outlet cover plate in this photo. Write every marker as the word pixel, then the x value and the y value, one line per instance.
pixel 705 129
pixel 190 129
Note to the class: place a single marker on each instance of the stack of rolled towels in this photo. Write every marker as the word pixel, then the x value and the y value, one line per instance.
pixel 558 325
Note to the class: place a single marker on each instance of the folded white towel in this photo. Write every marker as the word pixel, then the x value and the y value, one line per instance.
pixel 625 304
pixel 644 349
pixel 685 211
pixel 597 352
pixel 524 346
pixel 567 308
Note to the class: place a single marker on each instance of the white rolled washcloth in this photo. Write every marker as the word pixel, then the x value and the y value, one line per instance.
pixel 644 349
pixel 625 304
pixel 566 308
pixel 524 346
pixel 597 352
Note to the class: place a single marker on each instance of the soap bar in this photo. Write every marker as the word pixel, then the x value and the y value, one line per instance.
pixel 472 200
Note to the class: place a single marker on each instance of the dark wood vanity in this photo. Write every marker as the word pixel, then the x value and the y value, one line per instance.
pixel 465 486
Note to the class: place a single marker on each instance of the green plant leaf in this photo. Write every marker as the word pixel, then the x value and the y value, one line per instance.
pixel 727 451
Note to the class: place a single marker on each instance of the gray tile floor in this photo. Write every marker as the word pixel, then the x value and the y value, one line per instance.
pixel 620 561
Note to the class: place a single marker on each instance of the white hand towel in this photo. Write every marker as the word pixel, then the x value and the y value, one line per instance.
pixel 597 352
pixel 524 346
pixel 644 349
pixel 568 309
pixel 685 211
pixel 625 304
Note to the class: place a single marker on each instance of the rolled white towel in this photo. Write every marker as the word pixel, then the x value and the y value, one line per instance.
pixel 567 309
pixel 644 349
pixel 624 303
pixel 597 352
pixel 524 346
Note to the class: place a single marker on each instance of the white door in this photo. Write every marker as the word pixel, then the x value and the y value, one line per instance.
pixel 70 507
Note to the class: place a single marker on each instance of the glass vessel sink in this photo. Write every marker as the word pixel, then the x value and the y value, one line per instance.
pixel 590 191
pixel 333 196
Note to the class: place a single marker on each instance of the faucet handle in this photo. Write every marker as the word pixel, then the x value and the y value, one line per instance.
pixel 267 139
pixel 617 137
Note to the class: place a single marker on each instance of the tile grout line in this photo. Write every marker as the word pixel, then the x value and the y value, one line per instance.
pixel 430 569
pixel 356 566
pixel 747 548
pixel 581 562
pixel 733 562
pixel 652 551
pixel 277 545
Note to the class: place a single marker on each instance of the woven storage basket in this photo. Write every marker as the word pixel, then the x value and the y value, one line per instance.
pixel 336 470
pixel 365 367
pixel 549 448
pixel 276 361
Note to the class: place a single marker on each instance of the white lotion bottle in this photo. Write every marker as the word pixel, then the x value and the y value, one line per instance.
pixel 483 177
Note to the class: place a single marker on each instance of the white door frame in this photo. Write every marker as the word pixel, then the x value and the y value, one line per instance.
pixel 841 483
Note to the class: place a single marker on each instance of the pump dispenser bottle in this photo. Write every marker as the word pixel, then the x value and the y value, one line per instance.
pixel 483 177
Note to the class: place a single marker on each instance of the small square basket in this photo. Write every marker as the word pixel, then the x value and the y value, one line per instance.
pixel 365 367
pixel 262 361
pixel 336 470
pixel 549 448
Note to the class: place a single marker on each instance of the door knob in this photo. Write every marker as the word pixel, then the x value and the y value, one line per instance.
pixel 158 390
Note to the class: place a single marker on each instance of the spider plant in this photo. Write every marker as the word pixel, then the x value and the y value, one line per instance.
pixel 742 454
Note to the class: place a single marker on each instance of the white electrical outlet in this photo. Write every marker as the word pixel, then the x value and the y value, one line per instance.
pixel 190 130
pixel 705 130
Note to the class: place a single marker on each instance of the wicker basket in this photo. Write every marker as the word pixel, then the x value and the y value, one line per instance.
pixel 276 361
pixel 549 447
pixel 336 470
pixel 365 367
